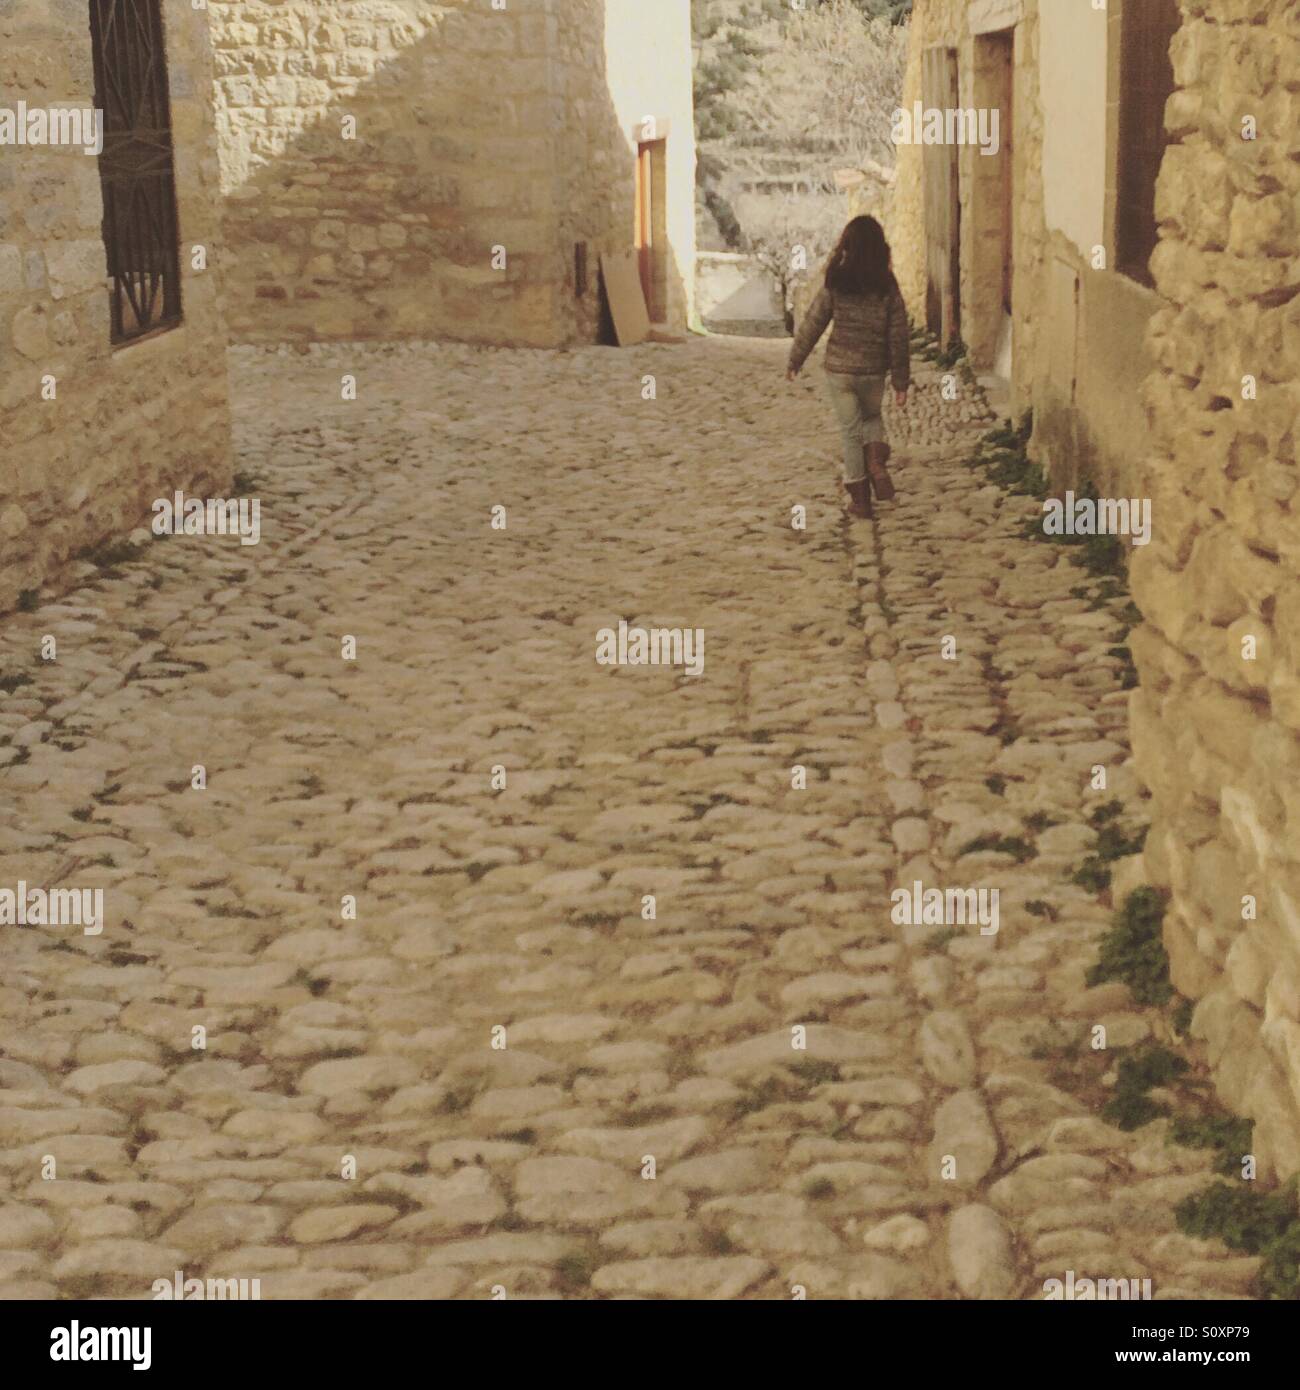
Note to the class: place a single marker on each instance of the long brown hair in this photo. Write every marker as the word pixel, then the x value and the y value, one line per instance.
pixel 860 262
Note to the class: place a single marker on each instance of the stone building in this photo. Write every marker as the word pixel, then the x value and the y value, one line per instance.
pixel 319 170
pixel 94 380
pixel 1127 260
pixel 413 168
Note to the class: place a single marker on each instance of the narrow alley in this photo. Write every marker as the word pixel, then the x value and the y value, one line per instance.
pixel 621 1008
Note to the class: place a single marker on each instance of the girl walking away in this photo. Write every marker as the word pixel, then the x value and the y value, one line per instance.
pixel 869 338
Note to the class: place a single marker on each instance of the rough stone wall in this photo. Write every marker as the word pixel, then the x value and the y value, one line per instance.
pixel 389 234
pixel 948 23
pixel 88 464
pixel 907 205
pixel 1217 734
pixel 475 128
pixel 594 163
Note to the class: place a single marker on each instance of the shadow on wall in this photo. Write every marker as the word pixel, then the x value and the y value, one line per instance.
pixel 398 171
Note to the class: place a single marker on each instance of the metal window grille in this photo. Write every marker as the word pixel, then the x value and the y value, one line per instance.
pixel 136 168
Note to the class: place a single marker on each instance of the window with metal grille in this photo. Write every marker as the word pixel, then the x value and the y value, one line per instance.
pixel 1147 29
pixel 136 169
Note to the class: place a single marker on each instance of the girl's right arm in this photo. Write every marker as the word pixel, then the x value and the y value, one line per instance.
pixel 810 330
pixel 900 355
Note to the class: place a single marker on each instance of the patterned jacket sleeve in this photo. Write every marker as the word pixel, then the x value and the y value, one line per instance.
pixel 811 329
pixel 900 358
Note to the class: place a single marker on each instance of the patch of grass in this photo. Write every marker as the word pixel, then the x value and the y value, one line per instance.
pixel 819 1190
pixel 110 555
pixel 8 684
pixel 600 921
pixel 127 958
pixel 717 1242
pixel 1105 813
pixel 573 1271
pixel 1113 842
pixel 1228 1134
pixel 814 1072
pixel 511 1221
pixel 1040 821
pixel 1092 875
pixel 647 1115
pixel 1019 849
pixel 1133 950
pixel 1181 1017
pixel 29 600
pixel 1131 1107
pixel 1048 1046
pixel 457 1100
pixel 1130 614
pixel 1256 1223
pixel 1101 555
pixel 1038 908
pixel 519 1136
pixel 948 357
pixel 1128 675
pixel 1243 1218
pixel 938 941
pixel 767 1092
pixel 997 785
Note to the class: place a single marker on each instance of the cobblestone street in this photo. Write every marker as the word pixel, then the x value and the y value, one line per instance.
pixel 647 1124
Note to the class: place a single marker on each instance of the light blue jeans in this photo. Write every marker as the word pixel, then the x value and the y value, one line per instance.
pixel 857 401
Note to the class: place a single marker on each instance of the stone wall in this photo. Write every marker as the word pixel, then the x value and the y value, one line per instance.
pixel 372 155
pixel 1077 330
pixel 960 25
pixel 1216 717
pixel 86 465
pixel 1217 731
pixel 474 128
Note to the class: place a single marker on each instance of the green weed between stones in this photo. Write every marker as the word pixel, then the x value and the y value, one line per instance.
pixel 574 1272
pixel 1019 849
pixel 1130 1107
pixel 112 555
pixel 1004 456
pixel 956 356
pixel 1256 1223
pixel 1245 1219
pixel 1229 1135
pixel 1133 950
pixel 1113 842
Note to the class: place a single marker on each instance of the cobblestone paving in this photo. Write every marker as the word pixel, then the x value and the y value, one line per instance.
pixel 632 1045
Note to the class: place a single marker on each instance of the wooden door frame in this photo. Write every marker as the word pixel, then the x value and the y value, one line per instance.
pixel 650 230
pixel 941 181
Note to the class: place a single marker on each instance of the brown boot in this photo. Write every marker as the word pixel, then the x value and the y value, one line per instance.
pixel 880 479
pixel 859 498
